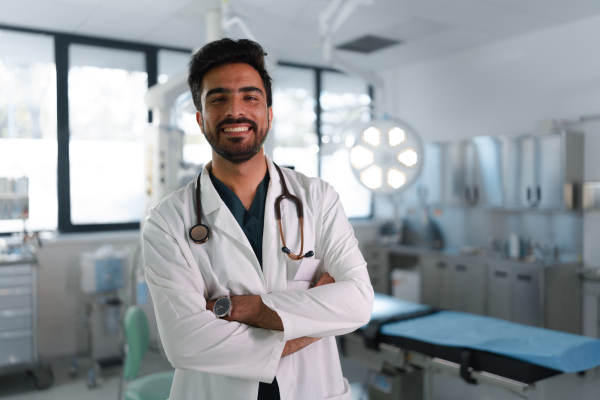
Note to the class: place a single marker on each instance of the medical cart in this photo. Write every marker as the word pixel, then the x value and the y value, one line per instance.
pixel 18 319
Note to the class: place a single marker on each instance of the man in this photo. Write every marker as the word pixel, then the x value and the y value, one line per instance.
pixel 277 338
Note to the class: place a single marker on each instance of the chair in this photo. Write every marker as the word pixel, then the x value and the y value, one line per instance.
pixel 151 387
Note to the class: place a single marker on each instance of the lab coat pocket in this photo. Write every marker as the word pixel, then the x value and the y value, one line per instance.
pixel 302 274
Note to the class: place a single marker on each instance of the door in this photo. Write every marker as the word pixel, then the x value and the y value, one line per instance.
pixel 468 281
pixel 487 178
pixel 520 172
pixel 499 291
pixel 549 189
pixel 527 301
pixel 429 279
pixel 454 167
pixel 431 185
pixel 443 291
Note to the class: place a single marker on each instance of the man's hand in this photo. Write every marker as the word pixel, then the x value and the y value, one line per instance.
pixel 294 345
pixel 325 279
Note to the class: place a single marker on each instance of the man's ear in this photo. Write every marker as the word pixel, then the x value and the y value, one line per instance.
pixel 270 118
pixel 199 120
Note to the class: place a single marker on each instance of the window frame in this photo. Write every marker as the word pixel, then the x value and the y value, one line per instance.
pixel 62 41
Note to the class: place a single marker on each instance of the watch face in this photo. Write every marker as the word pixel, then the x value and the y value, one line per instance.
pixel 222 306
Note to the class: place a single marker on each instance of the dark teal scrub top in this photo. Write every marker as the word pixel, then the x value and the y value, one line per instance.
pixel 252 223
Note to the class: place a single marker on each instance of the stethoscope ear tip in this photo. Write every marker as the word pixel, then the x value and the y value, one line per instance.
pixel 309 254
pixel 285 250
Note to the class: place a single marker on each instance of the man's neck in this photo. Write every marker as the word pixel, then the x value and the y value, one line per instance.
pixel 243 179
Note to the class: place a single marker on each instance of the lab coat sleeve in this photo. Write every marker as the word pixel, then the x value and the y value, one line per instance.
pixel 337 308
pixel 193 337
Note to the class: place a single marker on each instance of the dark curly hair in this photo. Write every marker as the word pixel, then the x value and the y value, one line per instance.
pixel 227 51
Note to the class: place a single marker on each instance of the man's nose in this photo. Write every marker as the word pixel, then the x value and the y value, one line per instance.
pixel 236 107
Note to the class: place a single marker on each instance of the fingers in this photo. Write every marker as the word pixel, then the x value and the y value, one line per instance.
pixel 322 279
pixel 325 279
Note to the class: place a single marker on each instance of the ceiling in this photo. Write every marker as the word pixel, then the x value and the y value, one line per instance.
pixel 288 29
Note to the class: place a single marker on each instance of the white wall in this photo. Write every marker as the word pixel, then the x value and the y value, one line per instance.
pixel 510 87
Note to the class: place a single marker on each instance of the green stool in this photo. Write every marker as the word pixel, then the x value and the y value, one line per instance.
pixel 151 387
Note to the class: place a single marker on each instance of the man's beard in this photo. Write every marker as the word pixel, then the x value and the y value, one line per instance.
pixel 230 150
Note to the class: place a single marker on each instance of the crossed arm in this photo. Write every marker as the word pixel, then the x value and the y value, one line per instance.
pixel 251 310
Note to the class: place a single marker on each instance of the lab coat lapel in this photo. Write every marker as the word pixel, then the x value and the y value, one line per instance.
pixel 223 219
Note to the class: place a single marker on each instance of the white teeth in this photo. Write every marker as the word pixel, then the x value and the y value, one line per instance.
pixel 240 129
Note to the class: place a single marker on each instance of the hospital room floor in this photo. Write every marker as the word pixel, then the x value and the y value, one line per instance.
pixel 19 386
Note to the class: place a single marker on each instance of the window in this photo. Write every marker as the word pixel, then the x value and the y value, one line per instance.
pixel 107 120
pixel 296 142
pixel 344 101
pixel 73 121
pixel 28 124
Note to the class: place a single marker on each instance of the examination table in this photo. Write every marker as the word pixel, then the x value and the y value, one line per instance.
pixel 417 352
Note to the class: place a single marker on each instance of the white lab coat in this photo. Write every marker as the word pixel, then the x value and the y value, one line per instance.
pixel 215 359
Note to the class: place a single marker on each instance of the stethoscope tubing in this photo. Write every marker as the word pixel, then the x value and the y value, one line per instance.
pixel 200 232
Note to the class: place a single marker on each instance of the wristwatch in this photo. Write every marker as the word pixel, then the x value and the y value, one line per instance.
pixel 223 307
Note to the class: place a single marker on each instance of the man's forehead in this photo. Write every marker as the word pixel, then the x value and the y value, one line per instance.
pixel 232 77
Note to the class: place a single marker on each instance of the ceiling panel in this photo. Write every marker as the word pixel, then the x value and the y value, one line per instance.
pixel 561 10
pixel 177 32
pixel 290 28
pixel 155 8
pixel 123 25
pixel 52 14
pixel 415 28
pixel 506 23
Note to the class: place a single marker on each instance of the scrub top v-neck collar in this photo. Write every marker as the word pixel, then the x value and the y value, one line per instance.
pixel 251 221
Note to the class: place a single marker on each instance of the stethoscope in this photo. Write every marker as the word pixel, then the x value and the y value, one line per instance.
pixel 199 233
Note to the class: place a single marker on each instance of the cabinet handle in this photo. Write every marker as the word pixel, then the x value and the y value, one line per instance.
pixel 475 194
pixel 528 194
pixel 441 265
pixel 500 274
pixel 525 278
pixel 468 194
pixel 539 193
pixel 461 268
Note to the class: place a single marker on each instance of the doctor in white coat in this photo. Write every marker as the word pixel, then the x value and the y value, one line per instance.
pixel 279 329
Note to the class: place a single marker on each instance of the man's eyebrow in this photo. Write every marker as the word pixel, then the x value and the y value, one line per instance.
pixel 247 89
pixel 217 90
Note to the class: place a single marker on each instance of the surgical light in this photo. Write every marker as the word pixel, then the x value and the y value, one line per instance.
pixel 386 155
pixel 396 136
pixel 371 177
pixel 361 157
pixel 394 178
pixel 408 157
pixel 372 136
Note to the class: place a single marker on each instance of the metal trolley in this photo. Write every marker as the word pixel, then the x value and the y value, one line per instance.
pixel 18 320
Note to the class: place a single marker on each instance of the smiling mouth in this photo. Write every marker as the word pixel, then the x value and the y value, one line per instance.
pixel 240 129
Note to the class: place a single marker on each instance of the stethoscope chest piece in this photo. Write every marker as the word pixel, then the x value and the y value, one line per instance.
pixel 199 233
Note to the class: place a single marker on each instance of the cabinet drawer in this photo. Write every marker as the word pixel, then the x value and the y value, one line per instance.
pixel 15 347
pixel 18 318
pixel 15 297
pixel 15 280
pixel 15 270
